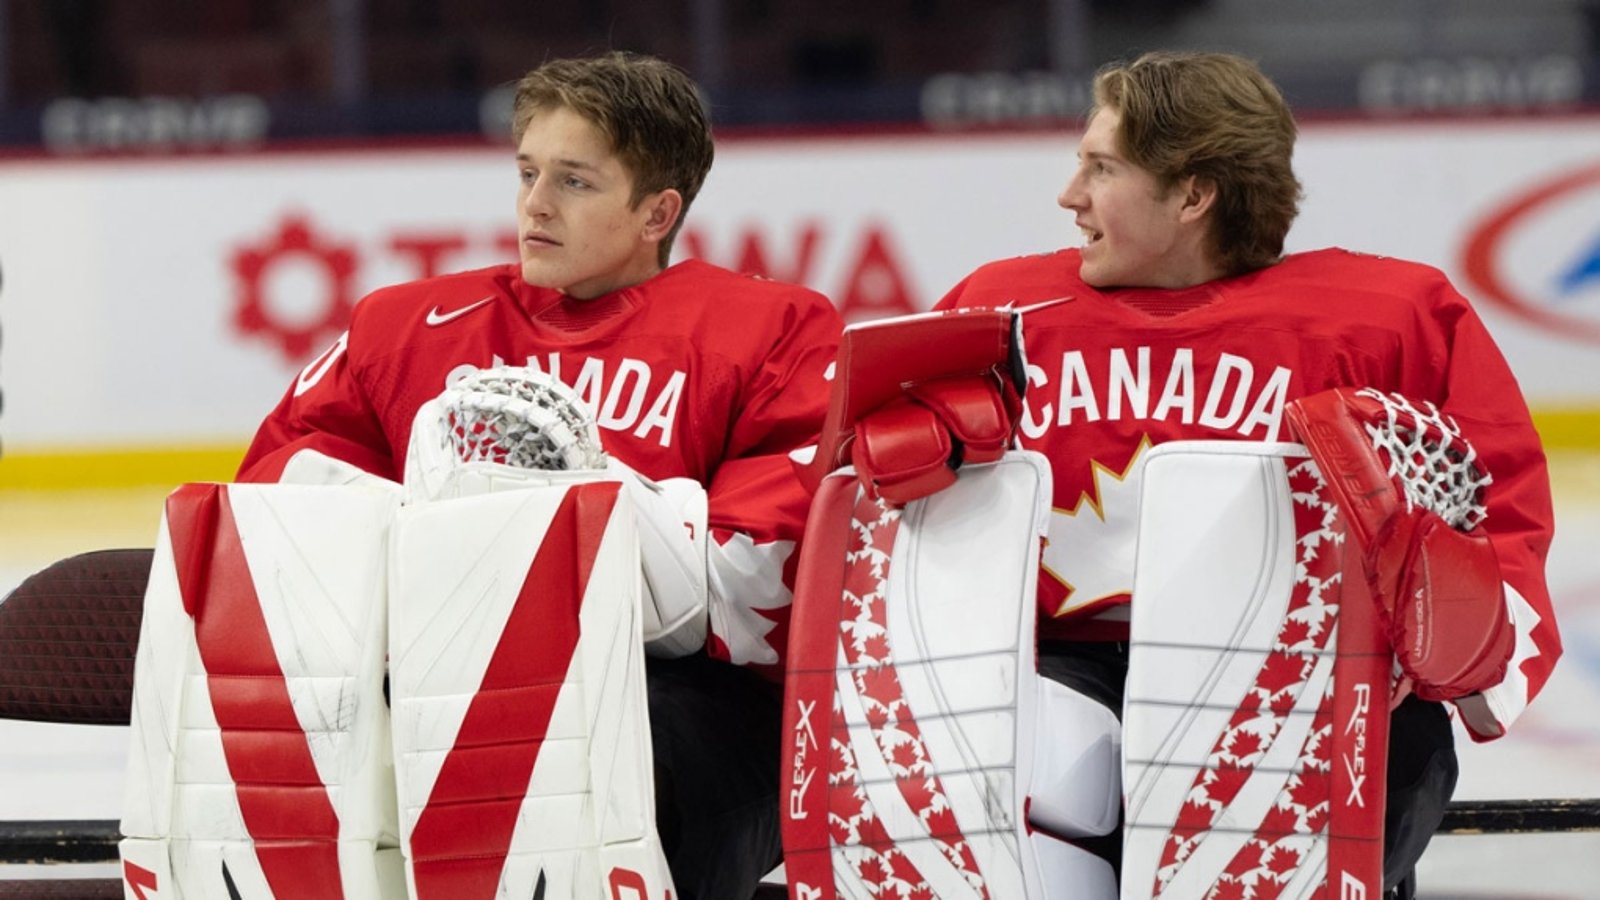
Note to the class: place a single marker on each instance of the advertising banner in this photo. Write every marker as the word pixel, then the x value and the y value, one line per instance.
pixel 158 304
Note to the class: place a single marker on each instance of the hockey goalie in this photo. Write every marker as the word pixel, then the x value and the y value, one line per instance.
pixel 359 689
pixel 1296 609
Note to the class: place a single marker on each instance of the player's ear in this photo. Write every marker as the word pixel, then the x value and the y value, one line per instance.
pixel 1199 196
pixel 663 207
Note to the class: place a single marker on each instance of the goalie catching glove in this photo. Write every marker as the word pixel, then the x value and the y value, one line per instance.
pixel 1407 483
pixel 500 428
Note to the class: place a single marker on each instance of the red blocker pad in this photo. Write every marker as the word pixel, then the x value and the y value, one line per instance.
pixel 911 691
pixel 1256 719
pixel 259 765
pixel 521 736
pixel 877 361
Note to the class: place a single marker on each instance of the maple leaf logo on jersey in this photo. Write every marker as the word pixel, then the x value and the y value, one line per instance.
pixel 758 586
pixel 1090 550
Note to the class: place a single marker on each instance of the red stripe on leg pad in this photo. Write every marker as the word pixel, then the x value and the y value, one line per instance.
pixel 535 650
pixel 139 879
pixel 280 794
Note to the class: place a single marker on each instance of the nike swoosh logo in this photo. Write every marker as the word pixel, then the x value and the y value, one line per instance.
pixel 436 317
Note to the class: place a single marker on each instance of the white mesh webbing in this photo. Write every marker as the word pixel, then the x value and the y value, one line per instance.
pixel 1428 457
pixel 519 417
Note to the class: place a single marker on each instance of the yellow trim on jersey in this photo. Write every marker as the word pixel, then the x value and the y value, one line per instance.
pixel 68 469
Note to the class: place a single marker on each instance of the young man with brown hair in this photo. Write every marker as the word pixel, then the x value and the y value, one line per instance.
pixel 692 371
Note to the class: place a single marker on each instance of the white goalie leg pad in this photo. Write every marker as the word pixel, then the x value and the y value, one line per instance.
pixel 310 466
pixel 912 697
pixel 521 734
pixel 259 763
pixel 1234 718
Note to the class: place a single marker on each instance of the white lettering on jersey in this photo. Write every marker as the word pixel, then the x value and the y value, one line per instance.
pixel 1032 426
pixel 1119 387
pixel 629 398
pixel 1227 365
pixel 1178 394
pixel 611 415
pixel 664 410
pixel 1128 386
pixel 317 368
pixel 1077 391
pixel 590 385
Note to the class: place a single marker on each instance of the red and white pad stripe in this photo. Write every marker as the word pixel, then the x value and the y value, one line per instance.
pixel 521 737
pixel 259 763
pixel 912 690
pixel 1255 726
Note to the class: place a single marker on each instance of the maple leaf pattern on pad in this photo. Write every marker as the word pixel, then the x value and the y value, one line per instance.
pixel 1298 816
pixel 853 821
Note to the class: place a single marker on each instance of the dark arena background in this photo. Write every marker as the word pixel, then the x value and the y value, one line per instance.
pixel 193 195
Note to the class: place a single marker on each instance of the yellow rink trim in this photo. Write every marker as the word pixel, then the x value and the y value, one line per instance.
pixel 48 470
pixel 1568 429
pixel 67 469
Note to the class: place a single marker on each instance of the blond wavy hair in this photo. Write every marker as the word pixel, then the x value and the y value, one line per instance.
pixel 1214 116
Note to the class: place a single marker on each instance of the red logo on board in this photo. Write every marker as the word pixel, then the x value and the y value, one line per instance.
pixel 294 243
pixel 1565 280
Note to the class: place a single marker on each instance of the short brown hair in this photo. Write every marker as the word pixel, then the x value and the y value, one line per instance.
pixel 649 109
pixel 1217 117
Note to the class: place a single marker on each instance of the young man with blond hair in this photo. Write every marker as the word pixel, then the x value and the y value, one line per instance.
pixel 1180 321
pixel 1184 194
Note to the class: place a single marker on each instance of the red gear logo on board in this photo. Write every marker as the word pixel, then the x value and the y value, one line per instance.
pixel 295 242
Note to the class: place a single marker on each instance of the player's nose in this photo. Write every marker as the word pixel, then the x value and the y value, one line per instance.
pixel 1072 195
pixel 536 199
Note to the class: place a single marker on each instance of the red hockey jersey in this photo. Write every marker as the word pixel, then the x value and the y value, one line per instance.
pixel 698 372
pixel 1111 373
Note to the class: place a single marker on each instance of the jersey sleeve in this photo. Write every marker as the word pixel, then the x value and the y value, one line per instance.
pixel 1481 392
pixel 324 411
pixel 757 503
pixel 955 297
